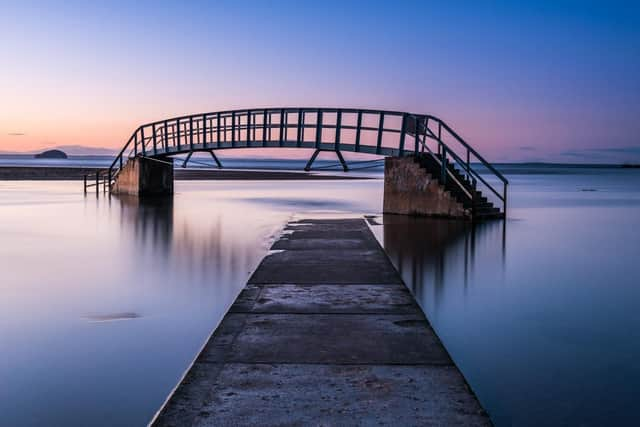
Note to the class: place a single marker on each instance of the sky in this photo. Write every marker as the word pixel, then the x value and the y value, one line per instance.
pixel 520 81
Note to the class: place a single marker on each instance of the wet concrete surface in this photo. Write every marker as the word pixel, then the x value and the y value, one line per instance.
pixel 325 333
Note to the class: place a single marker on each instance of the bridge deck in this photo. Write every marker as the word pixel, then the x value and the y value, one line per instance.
pixel 325 333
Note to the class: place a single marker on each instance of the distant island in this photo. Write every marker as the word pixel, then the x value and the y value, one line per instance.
pixel 51 154
pixel 629 165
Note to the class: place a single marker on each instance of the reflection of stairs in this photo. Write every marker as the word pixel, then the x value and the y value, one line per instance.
pixel 461 188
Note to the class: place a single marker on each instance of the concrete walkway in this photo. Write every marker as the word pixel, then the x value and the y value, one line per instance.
pixel 325 333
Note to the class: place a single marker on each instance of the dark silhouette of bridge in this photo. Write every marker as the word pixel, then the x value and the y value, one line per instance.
pixel 433 144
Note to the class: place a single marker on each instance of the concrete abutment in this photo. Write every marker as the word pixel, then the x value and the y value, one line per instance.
pixel 145 177
pixel 411 190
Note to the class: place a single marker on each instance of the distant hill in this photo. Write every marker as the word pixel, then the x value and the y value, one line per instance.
pixel 71 150
pixel 80 150
pixel 51 154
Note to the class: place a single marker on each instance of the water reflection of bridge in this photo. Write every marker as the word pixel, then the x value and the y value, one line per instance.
pixel 204 250
pixel 426 250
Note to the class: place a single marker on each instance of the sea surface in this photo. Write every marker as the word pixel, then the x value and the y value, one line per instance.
pixel 104 302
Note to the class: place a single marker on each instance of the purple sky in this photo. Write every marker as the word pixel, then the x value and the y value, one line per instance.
pixel 548 81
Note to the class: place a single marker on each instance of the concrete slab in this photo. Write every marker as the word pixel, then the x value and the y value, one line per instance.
pixel 297 242
pixel 325 299
pixel 300 395
pixel 320 273
pixel 330 339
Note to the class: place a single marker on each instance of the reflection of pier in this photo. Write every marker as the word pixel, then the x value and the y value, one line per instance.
pixel 426 250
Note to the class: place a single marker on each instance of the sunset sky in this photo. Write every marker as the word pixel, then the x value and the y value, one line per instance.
pixel 551 81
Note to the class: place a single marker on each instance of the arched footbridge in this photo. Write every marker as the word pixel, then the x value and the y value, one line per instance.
pixel 422 139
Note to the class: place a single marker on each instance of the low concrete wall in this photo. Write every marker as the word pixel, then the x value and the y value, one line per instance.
pixel 145 177
pixel 411 190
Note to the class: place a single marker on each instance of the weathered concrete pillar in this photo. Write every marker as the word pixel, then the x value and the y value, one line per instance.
pixel 411 190
pixel 145 177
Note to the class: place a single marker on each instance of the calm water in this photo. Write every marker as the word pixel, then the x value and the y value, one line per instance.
pixel 104 303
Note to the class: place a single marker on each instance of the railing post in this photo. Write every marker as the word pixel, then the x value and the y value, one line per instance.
pixel 403 133
pixel 264 127
pixel 253 128
pixel 416 139
pixel 338 128
pixel 248 127
pixel 155 142
pixel 444 165
pixel 281 126
pixel 319 129
pixel 358 126
pixel 204 131
pixel 135 143
pixel 165 139
pixel 300 128
pixel 97 182
pixel 380 130
pixel 191 133
pixel 218 130
pixel 85 183
pixel 178 133
pixel 504 202
pixel 144 149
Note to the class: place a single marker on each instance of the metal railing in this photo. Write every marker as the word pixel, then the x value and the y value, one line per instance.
pixel 386 133
pixel 100 180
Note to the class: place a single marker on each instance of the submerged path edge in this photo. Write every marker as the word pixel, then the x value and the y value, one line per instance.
pixel 323 277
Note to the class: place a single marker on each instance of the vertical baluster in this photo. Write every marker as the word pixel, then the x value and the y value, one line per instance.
pixel 338 130
pixel 218 130
pixel 224 126
pixel 319 129
pixel 281 126
pixel 191 133
pixel 165 137
pixel 155 141
pixel 416 139
pixel 248 127
pixel 178 133
pixel 358 129
pixel 403 132
pixel 300 128
pixel 144 149
pixel 380 131
pixel 444 165
pixel 204 131
pixel 504 202
pixel 264 127
pixel 253 128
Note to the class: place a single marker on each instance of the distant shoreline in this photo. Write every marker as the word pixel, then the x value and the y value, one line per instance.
pixel 54 173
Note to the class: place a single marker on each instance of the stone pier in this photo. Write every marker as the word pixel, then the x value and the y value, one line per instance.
pixel 324 333
pixel 143 176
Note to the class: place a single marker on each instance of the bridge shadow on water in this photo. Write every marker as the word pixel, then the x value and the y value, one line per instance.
pixel 433 254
